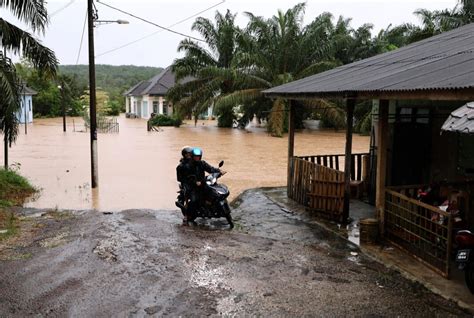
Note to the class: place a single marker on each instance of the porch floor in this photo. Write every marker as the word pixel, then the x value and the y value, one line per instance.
pixel 453 288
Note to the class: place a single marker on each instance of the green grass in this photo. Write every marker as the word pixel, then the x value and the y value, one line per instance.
pixel 7 222
pixel 14 189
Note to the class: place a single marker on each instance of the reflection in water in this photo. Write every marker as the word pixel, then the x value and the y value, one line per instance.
pixel 137 168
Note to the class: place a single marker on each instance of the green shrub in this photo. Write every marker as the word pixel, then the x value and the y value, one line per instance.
pixel 164 120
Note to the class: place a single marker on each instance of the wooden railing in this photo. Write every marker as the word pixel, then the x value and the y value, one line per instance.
pixel 299 179
pixel 319 188
pixel 421 229
pixel 337 162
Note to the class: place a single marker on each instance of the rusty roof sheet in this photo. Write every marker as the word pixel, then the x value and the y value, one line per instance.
pixel 442 62
pixel 461 120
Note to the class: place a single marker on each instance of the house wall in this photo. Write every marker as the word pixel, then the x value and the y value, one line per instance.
pixel 142 106
pixel 135 102
pixel 26 102
pixel 436 155
pixel 163 106
pixel 127 104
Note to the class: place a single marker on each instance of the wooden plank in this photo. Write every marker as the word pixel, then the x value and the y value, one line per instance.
pixel 350 104
pixel 382 134
pixel 291 137
pixel 353 167
pixel 359 167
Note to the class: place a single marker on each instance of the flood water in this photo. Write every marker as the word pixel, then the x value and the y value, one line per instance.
pixel 137 169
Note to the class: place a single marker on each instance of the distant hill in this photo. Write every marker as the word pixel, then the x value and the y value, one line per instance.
pixel 111 78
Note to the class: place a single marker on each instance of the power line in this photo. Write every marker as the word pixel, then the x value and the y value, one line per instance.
pixel 159 31
pixel 152 23
pixel 62 8
pixel 82 37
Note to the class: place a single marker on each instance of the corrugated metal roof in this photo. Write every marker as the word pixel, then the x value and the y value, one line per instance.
pixel 157 85
pixel 442 62
pixel 461 120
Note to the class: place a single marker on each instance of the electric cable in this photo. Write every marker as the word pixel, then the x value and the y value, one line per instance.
pixel 159 31
pixel 61 9
pixel 82 38
pixel 152 23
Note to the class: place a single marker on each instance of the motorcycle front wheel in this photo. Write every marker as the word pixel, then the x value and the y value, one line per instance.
pixel 469 276
pixel 227 215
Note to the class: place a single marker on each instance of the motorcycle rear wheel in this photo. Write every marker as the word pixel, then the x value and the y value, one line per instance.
pixel 469 276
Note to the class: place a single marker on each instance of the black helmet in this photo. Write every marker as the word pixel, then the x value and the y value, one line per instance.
pixel 185 150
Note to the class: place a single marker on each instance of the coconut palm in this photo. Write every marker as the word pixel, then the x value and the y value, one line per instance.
pixel 17 41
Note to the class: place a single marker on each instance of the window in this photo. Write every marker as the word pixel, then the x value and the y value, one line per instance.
pixel 405 115
pixel 155 107
pixel 423 116
pixel 413 115
pixel 29 105
pixel 165 108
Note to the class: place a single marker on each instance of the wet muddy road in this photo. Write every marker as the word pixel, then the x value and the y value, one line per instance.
pixel 137 168
pixel 143 262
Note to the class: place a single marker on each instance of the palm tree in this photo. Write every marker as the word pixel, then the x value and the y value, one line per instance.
pixel 463 13
pixel 273 52
pixel 17 41
pixel 210 67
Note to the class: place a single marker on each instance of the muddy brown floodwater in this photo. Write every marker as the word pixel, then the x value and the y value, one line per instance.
pixel 137 168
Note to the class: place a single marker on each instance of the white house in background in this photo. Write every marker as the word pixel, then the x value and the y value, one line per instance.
pixel 148 96
pixel 26 111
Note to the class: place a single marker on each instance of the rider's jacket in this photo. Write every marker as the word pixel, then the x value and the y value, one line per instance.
pixel 200 167
pixel 184 170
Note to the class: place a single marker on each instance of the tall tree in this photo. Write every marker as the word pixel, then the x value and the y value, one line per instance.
pixel 276 51
pixel 207 65
pixel 17 41
pixel 461 14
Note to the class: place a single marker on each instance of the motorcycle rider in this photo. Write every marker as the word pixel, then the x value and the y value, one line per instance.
pixel 199 167
pixel 183 172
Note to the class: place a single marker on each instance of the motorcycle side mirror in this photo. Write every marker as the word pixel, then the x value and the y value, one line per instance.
pixel 221 163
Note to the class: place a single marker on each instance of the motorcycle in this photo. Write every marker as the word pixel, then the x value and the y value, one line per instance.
pixel 465 256
pixel 213 200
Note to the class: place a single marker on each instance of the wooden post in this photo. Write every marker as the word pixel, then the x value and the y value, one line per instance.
pixel 382 133
pixel 350 103
pixel 291 142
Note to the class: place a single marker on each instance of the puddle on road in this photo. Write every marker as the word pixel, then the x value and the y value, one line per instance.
pixel 137 168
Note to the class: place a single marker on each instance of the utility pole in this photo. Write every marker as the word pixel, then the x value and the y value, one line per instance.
pixel 92 101
pixel 63 104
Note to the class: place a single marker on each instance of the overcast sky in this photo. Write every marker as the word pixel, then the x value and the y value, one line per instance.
pixel 64 32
